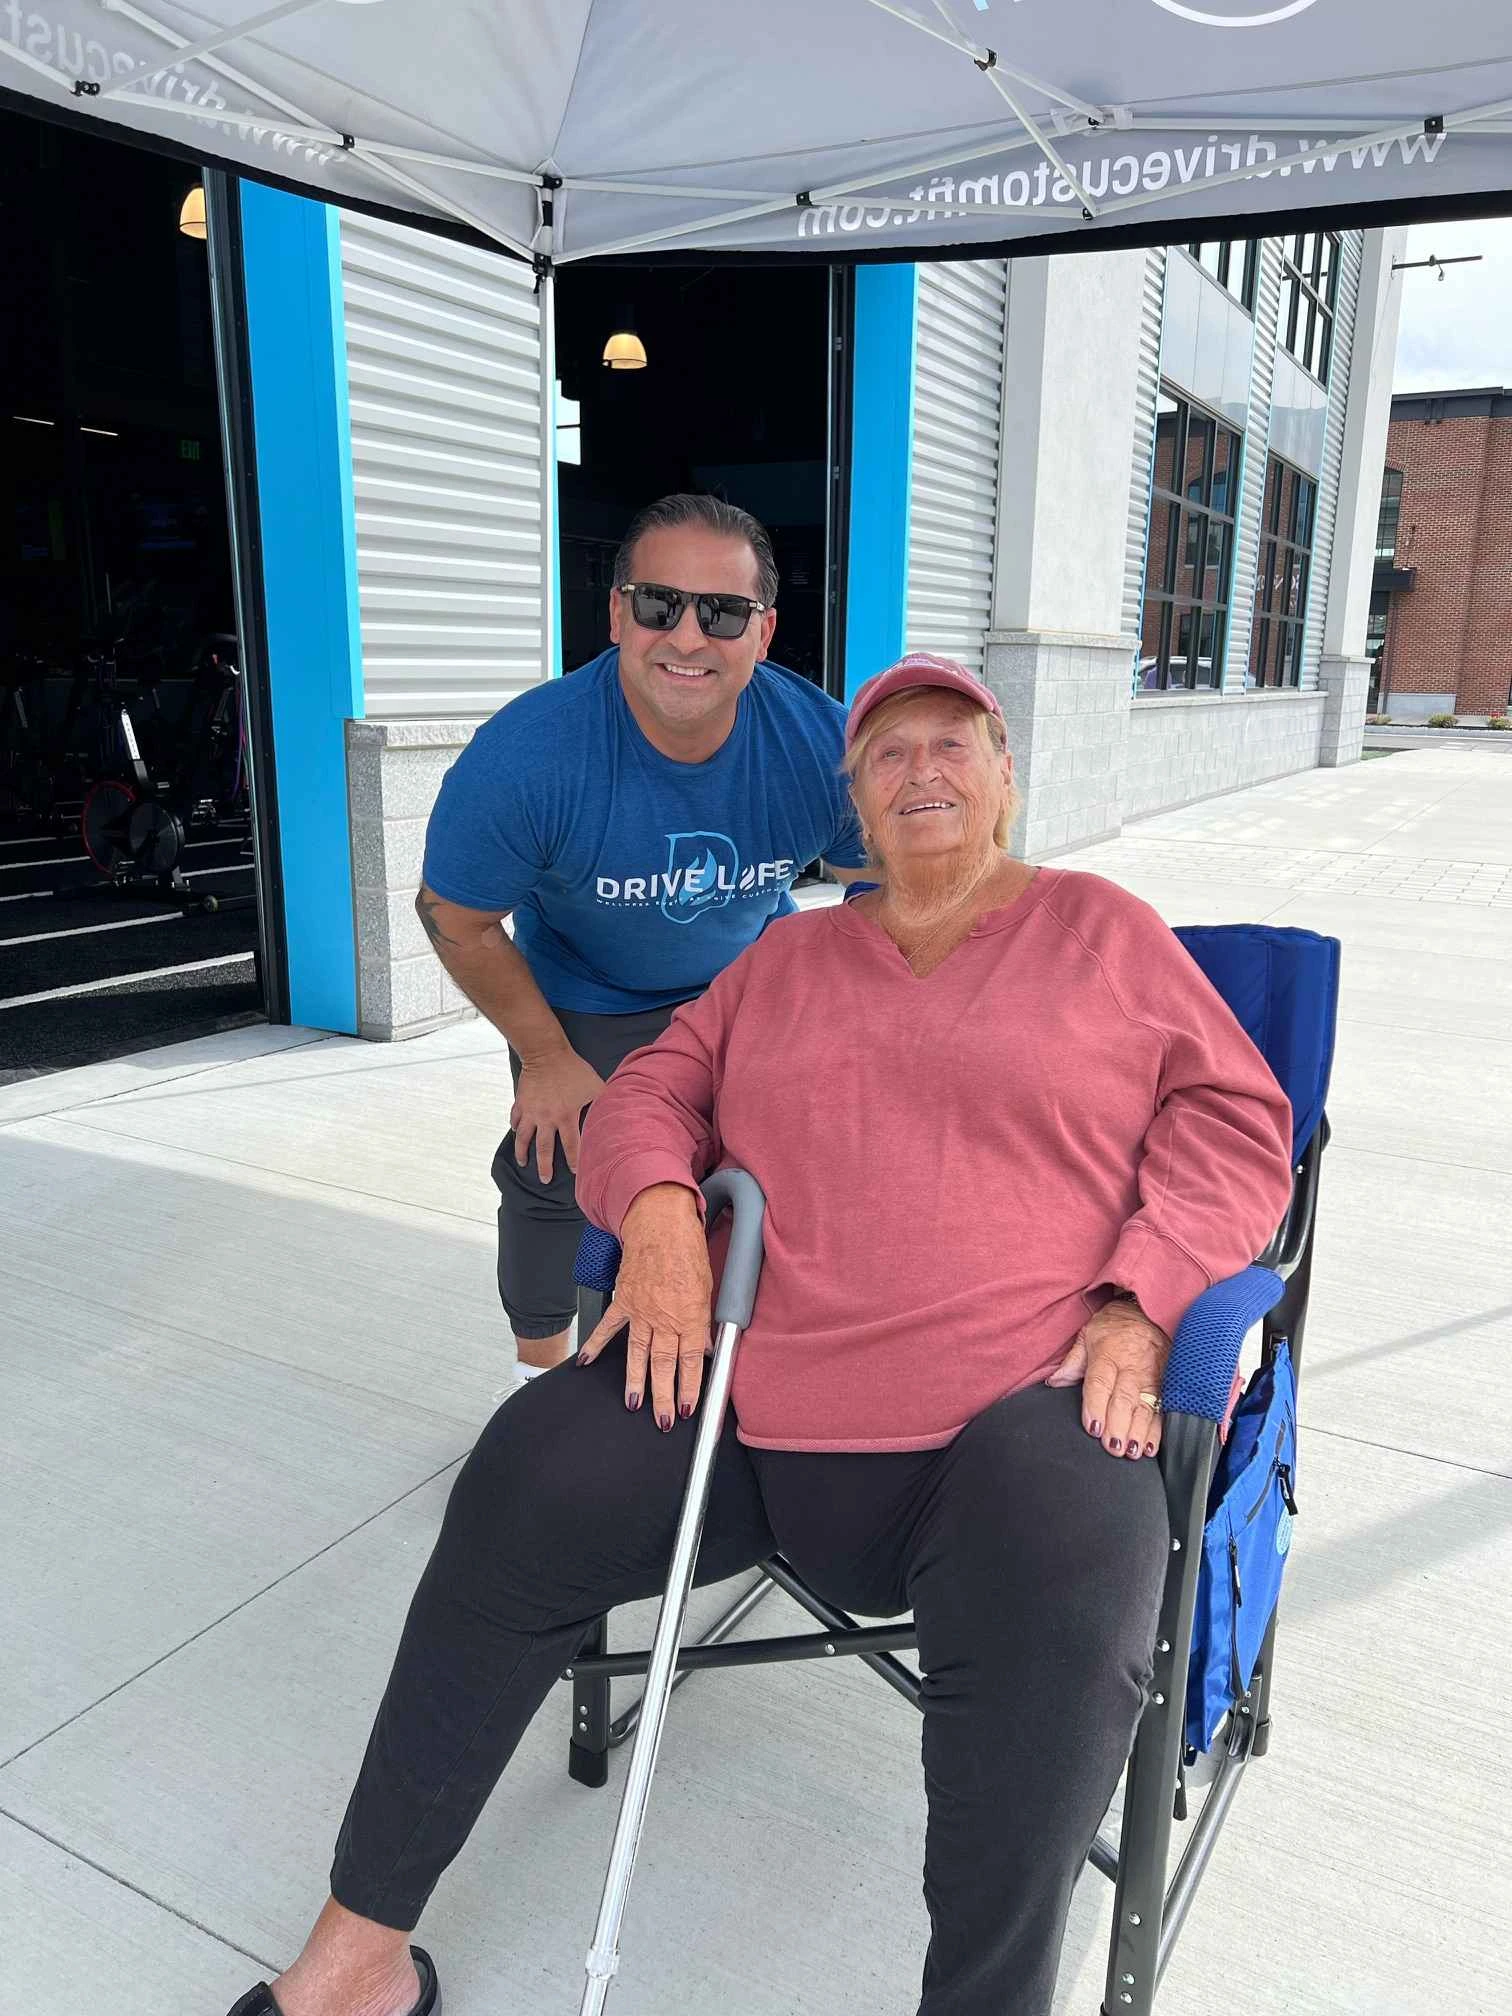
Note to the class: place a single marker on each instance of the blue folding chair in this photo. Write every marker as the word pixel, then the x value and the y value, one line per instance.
pixel 1282 985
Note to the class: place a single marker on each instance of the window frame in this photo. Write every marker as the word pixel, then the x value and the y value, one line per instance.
pixel 1278 632
pixel 1221 269
pixel 1391 498
pixel 1194 597
pixel 1309 299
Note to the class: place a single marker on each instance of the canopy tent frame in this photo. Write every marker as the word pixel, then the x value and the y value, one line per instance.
pixel 549 244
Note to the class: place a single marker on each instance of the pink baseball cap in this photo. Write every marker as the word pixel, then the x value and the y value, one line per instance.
pixel 919 668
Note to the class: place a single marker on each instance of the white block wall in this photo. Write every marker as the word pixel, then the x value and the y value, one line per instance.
pixel 394 771
pixel 1200 745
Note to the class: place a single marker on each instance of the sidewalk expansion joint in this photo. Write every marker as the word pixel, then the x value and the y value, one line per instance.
pixel 297 1568
pixel 125 1883
pixel 1416 1455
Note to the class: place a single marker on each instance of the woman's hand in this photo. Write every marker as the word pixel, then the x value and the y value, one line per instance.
pixel 664 1292
pixel 1120 1359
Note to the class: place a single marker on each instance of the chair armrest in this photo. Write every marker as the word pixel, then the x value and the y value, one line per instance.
pixel 599 1253
pixel 598 1260
pixel 1204 1355
pixel 1205 1351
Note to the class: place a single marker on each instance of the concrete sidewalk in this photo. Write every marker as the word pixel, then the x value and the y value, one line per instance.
pixel 251 1331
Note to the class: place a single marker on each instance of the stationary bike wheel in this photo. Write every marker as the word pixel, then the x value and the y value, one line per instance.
pixel 103 823
pixel 155 837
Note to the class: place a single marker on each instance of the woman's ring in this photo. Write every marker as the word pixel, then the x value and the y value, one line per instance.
pixel 1152 1401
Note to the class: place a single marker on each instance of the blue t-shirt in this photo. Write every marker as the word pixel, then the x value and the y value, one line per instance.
pixel 634 879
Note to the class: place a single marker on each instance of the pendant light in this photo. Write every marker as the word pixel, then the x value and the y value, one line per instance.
pixel 192 212
pixel 624 351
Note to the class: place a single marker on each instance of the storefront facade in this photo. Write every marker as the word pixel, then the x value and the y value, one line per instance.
pixel 1013 497
pixel 1158 637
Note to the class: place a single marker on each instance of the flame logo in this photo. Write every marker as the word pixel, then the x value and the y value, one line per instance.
pixel 701 874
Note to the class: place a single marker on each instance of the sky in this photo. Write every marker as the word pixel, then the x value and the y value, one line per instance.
pixel 1457 331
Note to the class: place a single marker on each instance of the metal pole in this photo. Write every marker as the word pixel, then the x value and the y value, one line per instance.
pixel 623 1727
pixel 550 544
pixel 603 1956
pixel 244 531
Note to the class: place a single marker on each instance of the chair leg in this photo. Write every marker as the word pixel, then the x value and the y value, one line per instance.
pixel 1260 1691
pixel 588 1751
pixel 1138 1943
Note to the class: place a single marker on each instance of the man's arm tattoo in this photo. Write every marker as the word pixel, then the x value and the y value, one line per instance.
pixel 426 907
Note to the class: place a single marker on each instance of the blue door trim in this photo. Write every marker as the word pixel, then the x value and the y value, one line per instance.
pixel 887 299
pixel 297 346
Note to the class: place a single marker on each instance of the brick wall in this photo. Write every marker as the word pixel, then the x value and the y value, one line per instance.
pixel 1451 632
pixel 1486 685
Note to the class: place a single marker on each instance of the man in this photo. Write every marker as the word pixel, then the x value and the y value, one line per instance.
pixel 642 821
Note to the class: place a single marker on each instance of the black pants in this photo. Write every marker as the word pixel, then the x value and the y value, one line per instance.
pixel 539 1223
pixel 1032 1560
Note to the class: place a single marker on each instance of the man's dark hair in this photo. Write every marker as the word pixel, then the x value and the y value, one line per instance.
pixel 714 515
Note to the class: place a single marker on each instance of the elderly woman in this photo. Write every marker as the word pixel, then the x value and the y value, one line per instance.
pixel 1007 1133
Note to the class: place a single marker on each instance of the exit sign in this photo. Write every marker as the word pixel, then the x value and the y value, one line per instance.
pixel 189 451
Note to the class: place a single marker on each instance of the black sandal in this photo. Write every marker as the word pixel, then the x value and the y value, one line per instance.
pixel 259 2001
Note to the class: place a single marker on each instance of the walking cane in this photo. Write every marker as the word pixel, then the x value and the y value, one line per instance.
pixel 732 1312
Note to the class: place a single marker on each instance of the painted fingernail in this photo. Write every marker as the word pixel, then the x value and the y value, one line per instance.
pixel 584 1358
pixel 664 1422
pixel 1133 1452
pixel 632 1401
pixel 1149 1448
pixel 685 1409
pixel 1095 1428
pixel 1115 1445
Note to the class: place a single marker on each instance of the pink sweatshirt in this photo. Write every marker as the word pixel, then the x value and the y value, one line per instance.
pixel 957 1169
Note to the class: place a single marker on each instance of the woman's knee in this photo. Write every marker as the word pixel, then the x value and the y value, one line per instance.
pixel 544 1468
pixel 1042 1541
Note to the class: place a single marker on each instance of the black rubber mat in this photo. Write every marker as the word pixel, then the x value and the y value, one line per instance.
pixel 86 908
pixel 170 940
pixel 67 868
pixel 92 1028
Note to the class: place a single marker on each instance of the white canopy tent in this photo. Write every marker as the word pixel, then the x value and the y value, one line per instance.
pixel 573 130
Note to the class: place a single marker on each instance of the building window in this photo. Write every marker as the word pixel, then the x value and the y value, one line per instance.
pixel 1309 289
pixel 1286 533
pixel 1233 263
pixel 1375 643
pixel 1389 522
pixel 1191 550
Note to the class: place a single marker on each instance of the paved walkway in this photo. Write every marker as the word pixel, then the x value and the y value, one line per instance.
pixel 1492 741
pixel 250 1332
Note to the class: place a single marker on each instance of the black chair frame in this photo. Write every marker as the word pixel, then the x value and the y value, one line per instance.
pixel 1148 1911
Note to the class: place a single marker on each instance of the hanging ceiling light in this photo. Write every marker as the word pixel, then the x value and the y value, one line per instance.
pixel 192 212
pixel 625 351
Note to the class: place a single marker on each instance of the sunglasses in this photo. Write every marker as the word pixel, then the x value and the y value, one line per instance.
pixel 658 608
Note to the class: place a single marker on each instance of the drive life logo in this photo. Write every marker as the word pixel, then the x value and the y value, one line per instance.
pixel 1236 13
pixel 703 872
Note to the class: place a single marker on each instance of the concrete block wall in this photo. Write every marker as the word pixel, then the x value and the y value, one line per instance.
pixel 394 771
pixel 1192 747
pixel 1065 700
pixel 1346 684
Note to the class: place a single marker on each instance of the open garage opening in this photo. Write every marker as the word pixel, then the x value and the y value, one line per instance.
pixel 128 880
pixel 739 395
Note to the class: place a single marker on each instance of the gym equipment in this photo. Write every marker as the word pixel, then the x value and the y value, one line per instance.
pixel 135 826
pixel 26 785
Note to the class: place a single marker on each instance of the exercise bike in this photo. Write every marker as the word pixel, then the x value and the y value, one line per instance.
pixel 135 825
pixel 26 785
